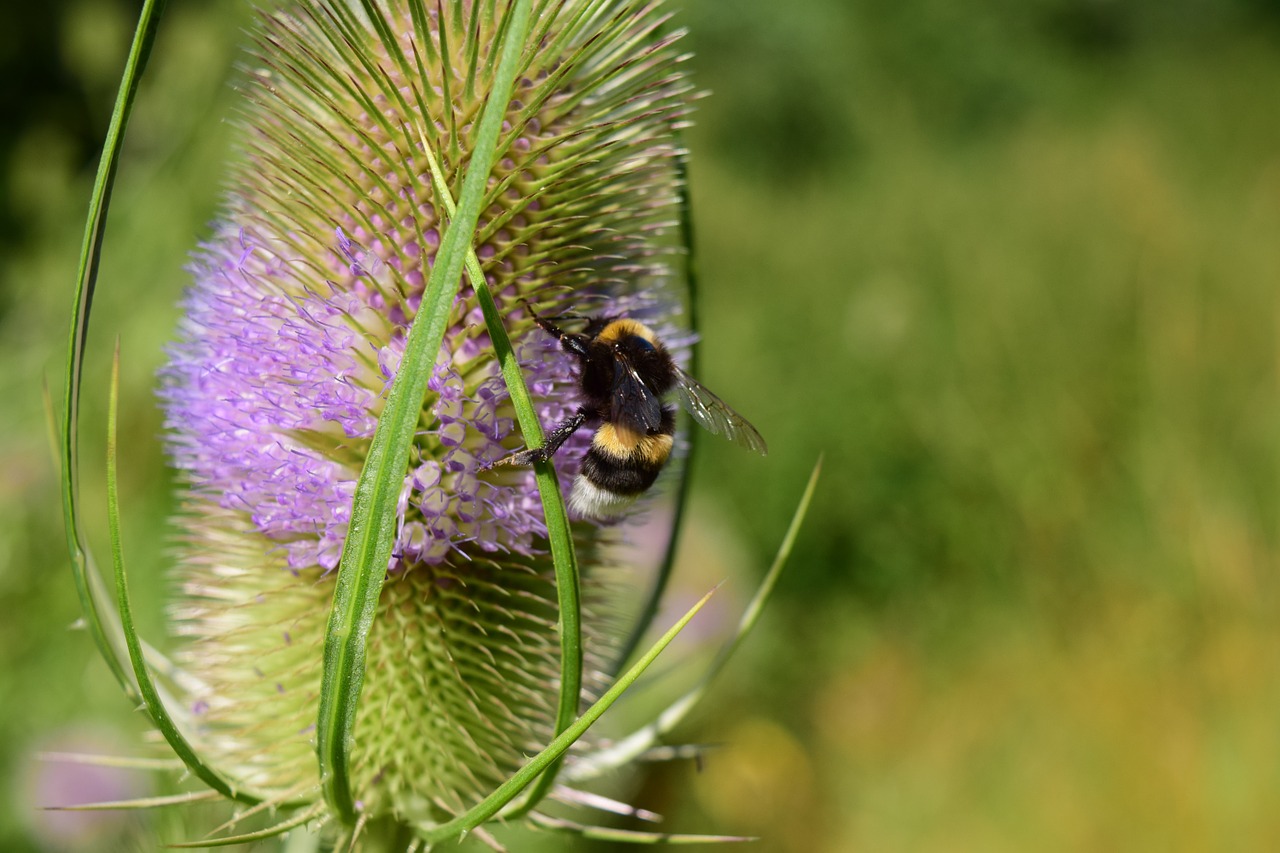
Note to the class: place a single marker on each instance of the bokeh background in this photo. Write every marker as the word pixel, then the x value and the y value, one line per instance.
pixel 1011 265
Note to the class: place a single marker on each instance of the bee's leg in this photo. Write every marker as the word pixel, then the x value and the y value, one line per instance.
pixel 575 344
pixel 555 438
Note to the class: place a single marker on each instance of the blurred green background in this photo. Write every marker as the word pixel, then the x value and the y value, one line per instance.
pixel 1011 265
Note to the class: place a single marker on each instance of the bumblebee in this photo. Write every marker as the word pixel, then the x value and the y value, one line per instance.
pixel 626 373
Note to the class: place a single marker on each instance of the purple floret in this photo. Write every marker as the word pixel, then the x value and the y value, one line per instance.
pixel 273 391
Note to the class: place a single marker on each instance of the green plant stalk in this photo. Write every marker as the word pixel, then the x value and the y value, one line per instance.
pixel 505 793
pixel 628 748
pixel 281 828
pixel 564 558
pixel 631 836
pixel 369 541
pixel 204 796
pixel 86 578
pixel 649 611
pixel 156 709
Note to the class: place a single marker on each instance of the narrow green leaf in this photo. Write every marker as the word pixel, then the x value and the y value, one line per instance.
pixel 124 761
pixel 631 836
pixel 509 790
pixel 241 815
pixel 159 714
pixel 270 832
pixel 591 800
pixel 140 803
pixel 446 76
pixel 367 550
pixel 473 53
pixel 422 32
pixel 563 555
pixel 649 610
pixel 629 748
pixel 86 578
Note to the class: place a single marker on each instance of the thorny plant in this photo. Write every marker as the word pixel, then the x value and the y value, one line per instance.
pixel 374 629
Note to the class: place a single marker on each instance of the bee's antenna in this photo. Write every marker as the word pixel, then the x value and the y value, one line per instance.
pixel 567 315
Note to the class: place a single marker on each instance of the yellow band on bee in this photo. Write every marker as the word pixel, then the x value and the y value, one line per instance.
pixel 620 443
pixel 619 329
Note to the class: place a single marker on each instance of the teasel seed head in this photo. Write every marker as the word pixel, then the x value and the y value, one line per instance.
pixel 295 326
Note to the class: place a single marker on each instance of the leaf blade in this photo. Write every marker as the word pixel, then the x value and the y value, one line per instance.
pixel 88 583
pixel 155 707
pixel 536 766
pixel 367 549
pixel 632 746
pixel 653 600
pixel 563 555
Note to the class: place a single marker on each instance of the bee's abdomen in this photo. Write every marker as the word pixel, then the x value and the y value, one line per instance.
pixel 606 485
pixel 620 466
pixel 631 474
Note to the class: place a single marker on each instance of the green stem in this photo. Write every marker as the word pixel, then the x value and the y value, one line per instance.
pixel 370 537
pixel 559 535
pixel 88 582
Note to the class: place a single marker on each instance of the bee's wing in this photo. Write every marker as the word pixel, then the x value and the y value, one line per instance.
pixel 715 415
pixel 634 405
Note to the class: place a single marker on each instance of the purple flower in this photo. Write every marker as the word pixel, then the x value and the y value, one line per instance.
pixel 275 388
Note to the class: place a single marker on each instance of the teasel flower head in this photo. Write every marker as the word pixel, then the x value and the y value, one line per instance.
pixel 360 122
